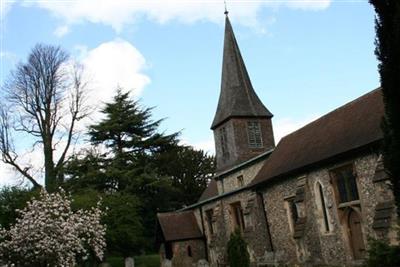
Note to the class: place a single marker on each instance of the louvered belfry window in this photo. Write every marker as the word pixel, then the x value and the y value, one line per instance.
pixel 254 133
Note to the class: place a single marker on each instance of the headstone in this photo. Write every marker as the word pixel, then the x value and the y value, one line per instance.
pixel 202 263
pixel 129 262
pixel 166 263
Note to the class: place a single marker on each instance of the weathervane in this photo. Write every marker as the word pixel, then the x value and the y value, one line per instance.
pixel 226 10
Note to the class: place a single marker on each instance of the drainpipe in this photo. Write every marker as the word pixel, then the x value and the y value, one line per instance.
pixel 204 232
pixel 266 220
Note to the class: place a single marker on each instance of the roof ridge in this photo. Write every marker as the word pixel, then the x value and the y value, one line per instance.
pixel 352 102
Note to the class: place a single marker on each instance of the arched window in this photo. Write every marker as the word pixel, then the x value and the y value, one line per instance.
pixel 322 206
pixel 189 251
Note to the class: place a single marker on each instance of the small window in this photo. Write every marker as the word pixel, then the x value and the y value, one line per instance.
pixel 254 134
pixel 223 141
pixel 321 204
pixel 238 219
pixel 346 184
pixel 189 251
pixel 209 217
pixel 240 181
pixel 292 212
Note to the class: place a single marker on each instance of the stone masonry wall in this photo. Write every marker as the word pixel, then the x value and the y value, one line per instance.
pixel 255 232
pixel 237 143
pixel 230 182
pixel 318 246
pixel 181 249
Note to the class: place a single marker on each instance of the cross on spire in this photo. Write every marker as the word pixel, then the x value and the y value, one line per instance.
pixel 226 9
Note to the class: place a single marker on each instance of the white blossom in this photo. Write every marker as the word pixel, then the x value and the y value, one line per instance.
pixel 49 233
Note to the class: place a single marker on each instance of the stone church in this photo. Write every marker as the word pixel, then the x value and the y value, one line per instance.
pixel 313 199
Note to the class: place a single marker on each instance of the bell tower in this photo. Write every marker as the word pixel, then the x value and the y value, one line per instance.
pixel 242 124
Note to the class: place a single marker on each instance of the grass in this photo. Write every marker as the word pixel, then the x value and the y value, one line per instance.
pixel 140 261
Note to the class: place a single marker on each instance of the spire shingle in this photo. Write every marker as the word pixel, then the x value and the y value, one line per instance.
pixel 237 97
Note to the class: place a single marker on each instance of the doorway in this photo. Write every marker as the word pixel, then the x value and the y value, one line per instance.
pixel 356 235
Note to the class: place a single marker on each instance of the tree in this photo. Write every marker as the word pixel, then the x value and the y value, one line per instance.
pixel 49 233
pixel 44 99
pixel 13 199
pixel 124 234
pixel 131 138
pixel 238 256
pixel 387 25
pixel 189 169
pixel 125 143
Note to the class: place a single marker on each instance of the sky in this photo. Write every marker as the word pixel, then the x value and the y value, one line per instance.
pixel 304 57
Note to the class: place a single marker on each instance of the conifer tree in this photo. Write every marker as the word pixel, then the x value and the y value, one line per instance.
pixel 131 138
pixel 388 53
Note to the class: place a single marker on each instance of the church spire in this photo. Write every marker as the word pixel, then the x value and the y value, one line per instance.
pixel 242 125
pixel 237 96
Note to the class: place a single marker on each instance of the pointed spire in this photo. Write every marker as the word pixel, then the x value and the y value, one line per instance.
pixel 237 97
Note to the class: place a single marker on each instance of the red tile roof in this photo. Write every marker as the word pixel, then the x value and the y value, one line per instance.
pixel 349 127
pixel 179 225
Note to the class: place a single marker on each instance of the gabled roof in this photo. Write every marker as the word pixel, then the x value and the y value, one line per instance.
pixel 237 97
pixel 210 191
pixel 345 129
pixel 179 226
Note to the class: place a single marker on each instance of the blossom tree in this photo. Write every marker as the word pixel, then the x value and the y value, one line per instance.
pixel 49 233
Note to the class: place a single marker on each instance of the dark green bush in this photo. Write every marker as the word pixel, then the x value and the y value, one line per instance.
pixel 381 254
pixel 11 200
pixel 238 256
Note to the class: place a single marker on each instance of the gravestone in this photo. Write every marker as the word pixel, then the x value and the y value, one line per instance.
pixel 166 263
pixel 202 263
pixel 129 262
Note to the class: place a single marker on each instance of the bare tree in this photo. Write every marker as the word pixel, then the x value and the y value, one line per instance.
pixel 44 98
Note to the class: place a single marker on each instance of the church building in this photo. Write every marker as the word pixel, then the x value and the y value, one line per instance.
pixel 313 199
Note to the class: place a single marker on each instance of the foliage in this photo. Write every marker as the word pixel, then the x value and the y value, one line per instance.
pixel 124 233
pixel 381 254
pixel 388 53
pixel 43 100
pixel 131 158
pixel 11 200
pixel 238 256
pixel 190 171
pixel 147 260
pixel 49 233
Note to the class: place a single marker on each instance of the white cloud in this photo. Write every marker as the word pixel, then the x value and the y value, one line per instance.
pixel 5 7
pixel 285 126
pixel 205 145
pixel 61 31
pixel 118 13
pixel 309 4
pixel 112 64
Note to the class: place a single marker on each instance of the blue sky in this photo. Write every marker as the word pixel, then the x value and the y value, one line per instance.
pixel 305 58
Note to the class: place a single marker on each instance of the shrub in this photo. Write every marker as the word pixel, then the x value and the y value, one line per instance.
pixel 12 199
pixel 49 233
pixel 238 256
pixel 381 254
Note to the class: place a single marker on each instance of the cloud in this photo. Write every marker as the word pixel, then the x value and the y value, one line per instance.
pixel 205 145
pixel 5 7
pixel 285 126
pixel 112 64
pixel 61 31
pixel 309 4
pixel 118 13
